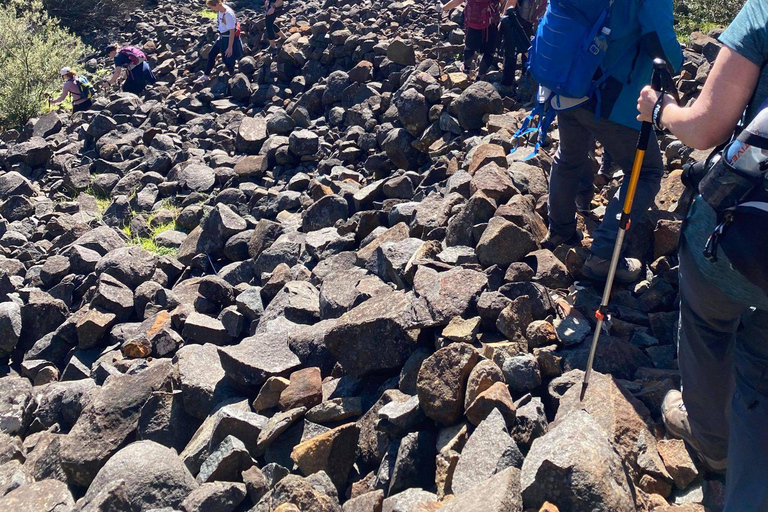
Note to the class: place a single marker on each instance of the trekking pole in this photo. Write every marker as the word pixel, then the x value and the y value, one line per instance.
pixel 624 223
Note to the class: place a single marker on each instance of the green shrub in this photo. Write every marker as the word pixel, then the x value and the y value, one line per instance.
pixel 33 48
pixel 703 15
pixel 80 15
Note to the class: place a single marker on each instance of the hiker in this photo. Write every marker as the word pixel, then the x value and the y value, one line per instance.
pixel 723 331
pixel 228 44
pixel 273 8
pixel 514 41
pixel 529 12
pixel 643 31
pixel 132 61
pixel 481 23
pixel 80 89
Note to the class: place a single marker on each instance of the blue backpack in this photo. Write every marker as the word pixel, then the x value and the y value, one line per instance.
pixel 566 57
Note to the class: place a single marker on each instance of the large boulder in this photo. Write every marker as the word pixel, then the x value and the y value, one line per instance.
pixel 110 420
pixel 251 135
pixel 449 294
pixel 377 335
pixel 576 463
pixel 476 101
pixel 442 382
pixel 35 152
pixel 624 420
pixel 153 474
pixel 252 361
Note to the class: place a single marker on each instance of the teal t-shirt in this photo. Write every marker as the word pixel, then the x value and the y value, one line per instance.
pixel 748 36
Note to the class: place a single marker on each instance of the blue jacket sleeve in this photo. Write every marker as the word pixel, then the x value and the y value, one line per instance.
pixel 659 39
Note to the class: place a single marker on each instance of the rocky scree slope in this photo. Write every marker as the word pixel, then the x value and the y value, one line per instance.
pixel 345 307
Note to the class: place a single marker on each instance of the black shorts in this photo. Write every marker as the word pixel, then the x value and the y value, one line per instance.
pixel 86 105
pixel 482 41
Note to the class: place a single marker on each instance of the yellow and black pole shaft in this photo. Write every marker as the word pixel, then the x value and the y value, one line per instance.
pixel 624 224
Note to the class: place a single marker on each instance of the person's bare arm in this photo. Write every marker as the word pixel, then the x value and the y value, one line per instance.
pixel 510 3
pixel 115 75
pixel 64 93
pixel 712 118
pixel 452 5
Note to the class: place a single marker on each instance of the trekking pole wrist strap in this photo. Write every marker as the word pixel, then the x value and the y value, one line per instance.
pixel 658 110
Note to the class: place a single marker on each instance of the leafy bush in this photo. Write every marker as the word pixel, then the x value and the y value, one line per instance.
pixel 702 15
pixel 33 48
pixel 82 15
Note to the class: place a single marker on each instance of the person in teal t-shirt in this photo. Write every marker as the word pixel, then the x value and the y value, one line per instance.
pixel 641 30
pixel 723 335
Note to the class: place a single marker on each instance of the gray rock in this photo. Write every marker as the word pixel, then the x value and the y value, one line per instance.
pixel 152 474
pixel 129 265
pixel 226 462
pixel 401 52
pixel 303 143
pixel 449 294
pixel 500 493
pixel 379 334
pixel 489 447
pixel 251 135
pixel 522 373
pixel 324 213
pixel 202 379
pixel 15 396
pixel 415 462
pixel 503 242
pixel 109 420
pixel 476 101
pixel 215 497
pixel 409 500
pixel 253 360
pixel 10 327
pixel 576 462
pixel 43 496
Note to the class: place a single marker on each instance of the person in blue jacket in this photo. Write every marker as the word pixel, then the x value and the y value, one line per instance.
pixel 640 31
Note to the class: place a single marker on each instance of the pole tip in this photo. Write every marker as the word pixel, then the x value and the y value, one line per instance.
pixel 583 391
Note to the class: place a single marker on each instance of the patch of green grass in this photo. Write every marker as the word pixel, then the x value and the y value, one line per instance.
pixel 148 243
pixel 102 201
pixel 207 13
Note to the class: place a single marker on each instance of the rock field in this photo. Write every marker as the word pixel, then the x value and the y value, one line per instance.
pixel 317 286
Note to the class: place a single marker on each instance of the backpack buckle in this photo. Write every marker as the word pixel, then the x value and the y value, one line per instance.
pixel 594 50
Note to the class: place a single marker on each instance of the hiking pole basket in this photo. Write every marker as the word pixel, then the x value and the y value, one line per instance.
pixel 624 223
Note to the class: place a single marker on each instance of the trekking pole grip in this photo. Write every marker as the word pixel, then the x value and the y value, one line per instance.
pixel 659 67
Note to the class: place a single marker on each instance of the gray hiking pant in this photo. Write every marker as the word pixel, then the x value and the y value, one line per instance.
pixel 572 166
pixel 723 357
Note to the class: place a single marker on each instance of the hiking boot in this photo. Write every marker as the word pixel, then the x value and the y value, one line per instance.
pixel 627 271
pixel 676 422
pixel 203 80
pixel 552 240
